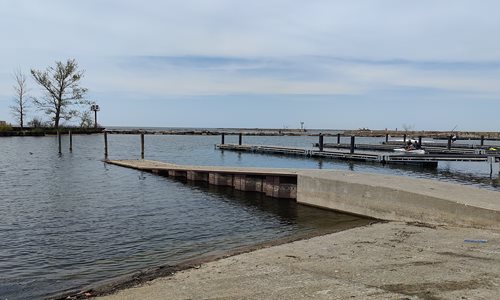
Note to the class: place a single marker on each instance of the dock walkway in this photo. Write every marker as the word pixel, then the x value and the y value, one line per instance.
pixel 456 149
pixel 427 160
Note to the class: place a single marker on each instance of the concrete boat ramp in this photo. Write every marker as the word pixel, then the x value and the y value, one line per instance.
pixel 377 196
pixel 414 259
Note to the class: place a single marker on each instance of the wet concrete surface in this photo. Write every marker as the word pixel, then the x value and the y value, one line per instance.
pixel 380 261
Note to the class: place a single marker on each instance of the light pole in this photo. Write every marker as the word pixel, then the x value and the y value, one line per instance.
pixel 95 109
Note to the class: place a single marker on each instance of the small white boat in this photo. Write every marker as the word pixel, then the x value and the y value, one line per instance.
pixel 412 151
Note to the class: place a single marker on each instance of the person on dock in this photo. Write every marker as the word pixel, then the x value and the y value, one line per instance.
pixel 409 146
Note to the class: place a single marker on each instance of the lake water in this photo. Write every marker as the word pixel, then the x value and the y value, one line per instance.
pixel 70 220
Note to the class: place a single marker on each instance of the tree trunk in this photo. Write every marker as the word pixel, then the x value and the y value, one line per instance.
pixel 22 112
pixel 56 119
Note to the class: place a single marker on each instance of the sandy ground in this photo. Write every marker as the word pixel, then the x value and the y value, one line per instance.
pixel 380 261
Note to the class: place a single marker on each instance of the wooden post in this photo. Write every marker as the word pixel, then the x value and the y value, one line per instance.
pixel 449 142
pixel 386 138
pixel 70 141
pixel 222 139
pixel 338 138
pixel 352 143
pixel 404 138
pixel 320 142
pixel 105 145
pixel 59 140
pixel 420 140
pixel 240 138
pixel 142 145
pixel 482 140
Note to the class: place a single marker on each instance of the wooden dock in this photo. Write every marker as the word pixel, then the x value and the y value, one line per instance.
pixel 426 160
pixel 460 149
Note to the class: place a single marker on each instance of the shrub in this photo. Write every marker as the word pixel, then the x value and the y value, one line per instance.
pixel 5 127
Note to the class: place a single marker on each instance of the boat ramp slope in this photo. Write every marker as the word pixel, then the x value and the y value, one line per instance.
pixel 377 196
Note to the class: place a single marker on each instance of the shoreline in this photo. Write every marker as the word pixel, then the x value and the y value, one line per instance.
pixel 435 134
pixel 384 260
pixel 136 278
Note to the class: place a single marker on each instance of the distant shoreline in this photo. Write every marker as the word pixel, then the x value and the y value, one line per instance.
pixel 43 131
pixel 461 135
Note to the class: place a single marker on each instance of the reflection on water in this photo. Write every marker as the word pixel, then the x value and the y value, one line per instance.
pixel 71 220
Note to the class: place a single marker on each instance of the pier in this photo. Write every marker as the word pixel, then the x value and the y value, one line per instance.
pixel 276 183
pixel 426 160
pixel 382 197
pixel 430 148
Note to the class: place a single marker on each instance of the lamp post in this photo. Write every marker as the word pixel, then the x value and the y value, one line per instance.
pixel 95 109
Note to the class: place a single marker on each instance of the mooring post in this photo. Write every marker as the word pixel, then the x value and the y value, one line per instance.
pixel 70 141
pixel 240 138
pixel 105 145
pixel 449 142
pixel 59 140
pixel 142 145
pixel 482 140
pixel 386 138
pixel 352 143
pixel 222 139
pixel 338 138
pixel 321 142
pixel 491 161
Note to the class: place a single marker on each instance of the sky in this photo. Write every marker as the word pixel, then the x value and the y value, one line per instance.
pixel 422 65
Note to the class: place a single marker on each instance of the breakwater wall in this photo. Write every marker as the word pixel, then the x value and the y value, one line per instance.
pixel 310 132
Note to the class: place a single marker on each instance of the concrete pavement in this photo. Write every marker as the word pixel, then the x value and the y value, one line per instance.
pixel 382 261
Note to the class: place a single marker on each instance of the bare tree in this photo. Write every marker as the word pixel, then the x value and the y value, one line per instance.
pixel 62 90
pixel 21 100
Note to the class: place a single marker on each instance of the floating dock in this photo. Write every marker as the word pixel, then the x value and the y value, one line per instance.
pixel 276 183
pixel 429 148
pixel 372 195
pixel 426 160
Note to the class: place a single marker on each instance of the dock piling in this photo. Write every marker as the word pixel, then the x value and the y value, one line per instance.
pixel 222 139
pixel 320 142
pixel 352 144
pixel 240 138
pixel 142 145
pixel 105 145
pixel 482 140
pixel 449 142
pixel 386 137
pixel 70 141
pixel 338 138
pixel 404 138
pixel 59 141
pixel 420 140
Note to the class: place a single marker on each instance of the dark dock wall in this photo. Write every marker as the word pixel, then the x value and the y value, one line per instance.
pixel 276 186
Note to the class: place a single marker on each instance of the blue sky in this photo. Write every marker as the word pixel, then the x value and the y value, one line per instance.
pixel 221 63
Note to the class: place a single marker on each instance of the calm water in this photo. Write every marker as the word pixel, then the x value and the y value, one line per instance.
pixel 70 220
